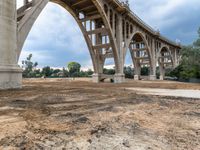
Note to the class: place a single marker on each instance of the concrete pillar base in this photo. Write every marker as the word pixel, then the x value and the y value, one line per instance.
pixel 136 77
pixel 152 77
pixel 10 77
pixel 119 78
pixel 161 77
pixel 96 78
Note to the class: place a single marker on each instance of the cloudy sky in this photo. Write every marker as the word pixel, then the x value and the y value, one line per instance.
pixel 56 39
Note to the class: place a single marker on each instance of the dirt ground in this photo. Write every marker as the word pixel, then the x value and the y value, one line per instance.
pixel 80 115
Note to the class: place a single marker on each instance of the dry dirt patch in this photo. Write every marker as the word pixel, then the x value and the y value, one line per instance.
pixel 67 114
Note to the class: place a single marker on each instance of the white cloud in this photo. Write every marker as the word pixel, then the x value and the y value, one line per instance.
pixel 165 13
pixel 37 56
pixel 57 31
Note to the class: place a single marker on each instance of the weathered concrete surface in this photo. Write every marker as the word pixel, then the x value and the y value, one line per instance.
pixel 10 77
pixel 10 73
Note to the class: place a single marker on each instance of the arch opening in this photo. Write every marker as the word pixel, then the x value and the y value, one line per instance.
pixel 92 22
pixel 165 61
pixel 140 55
pixel 55 44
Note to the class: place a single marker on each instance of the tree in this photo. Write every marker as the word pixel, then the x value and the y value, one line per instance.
pixel 190 63
pixel 144 71
pixel 28 67
pixel 90 72
pixel 56 71
pixel 109 71
pixel 129 72
pixel 65 72
pixel 47 71
pixel 74 69
pixel 197 42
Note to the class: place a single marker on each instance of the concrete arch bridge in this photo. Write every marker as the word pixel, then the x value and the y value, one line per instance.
pixel 109 27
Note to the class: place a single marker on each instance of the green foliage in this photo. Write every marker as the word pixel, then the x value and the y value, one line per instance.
pixel 74 69
pixel 144 71
pixel 197 42
pixel 30 70
pixel 85 73
pixel 47 71
pixel 65 72
pixel 129 72
pixel 28 67
pixel 90 72
pixel 190 62
pixel 109 71
pixel 56 71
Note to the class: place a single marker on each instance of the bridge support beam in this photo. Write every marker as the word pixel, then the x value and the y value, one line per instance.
pixel 10 72
pixel 136 77
pixel 96 78
pixel 162 73
pixel 119 78
pixel 152 75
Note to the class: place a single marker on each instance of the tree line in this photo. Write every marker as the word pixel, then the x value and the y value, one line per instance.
pixel 73 69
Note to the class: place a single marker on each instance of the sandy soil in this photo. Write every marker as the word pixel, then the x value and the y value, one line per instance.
pixel 168 92
pixel 80 115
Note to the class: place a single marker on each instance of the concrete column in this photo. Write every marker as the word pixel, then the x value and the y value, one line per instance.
pixel 96 78
pixel 175 58
pixel 152 75
pixel 136 77
pixel 137 68
pixel 119 36
pixel 10 72
pixel 162 72
pixel 119 77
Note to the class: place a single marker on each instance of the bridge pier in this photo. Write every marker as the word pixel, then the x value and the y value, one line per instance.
pixel 162 73
pixel 117 78
pixel 152 75
pixel 161 77
pixel 10 72
pixel 96 78
pixel 136 77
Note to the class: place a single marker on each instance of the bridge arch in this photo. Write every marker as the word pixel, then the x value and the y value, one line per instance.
pixel 92 21
pixel 140 52
pixel 165 60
